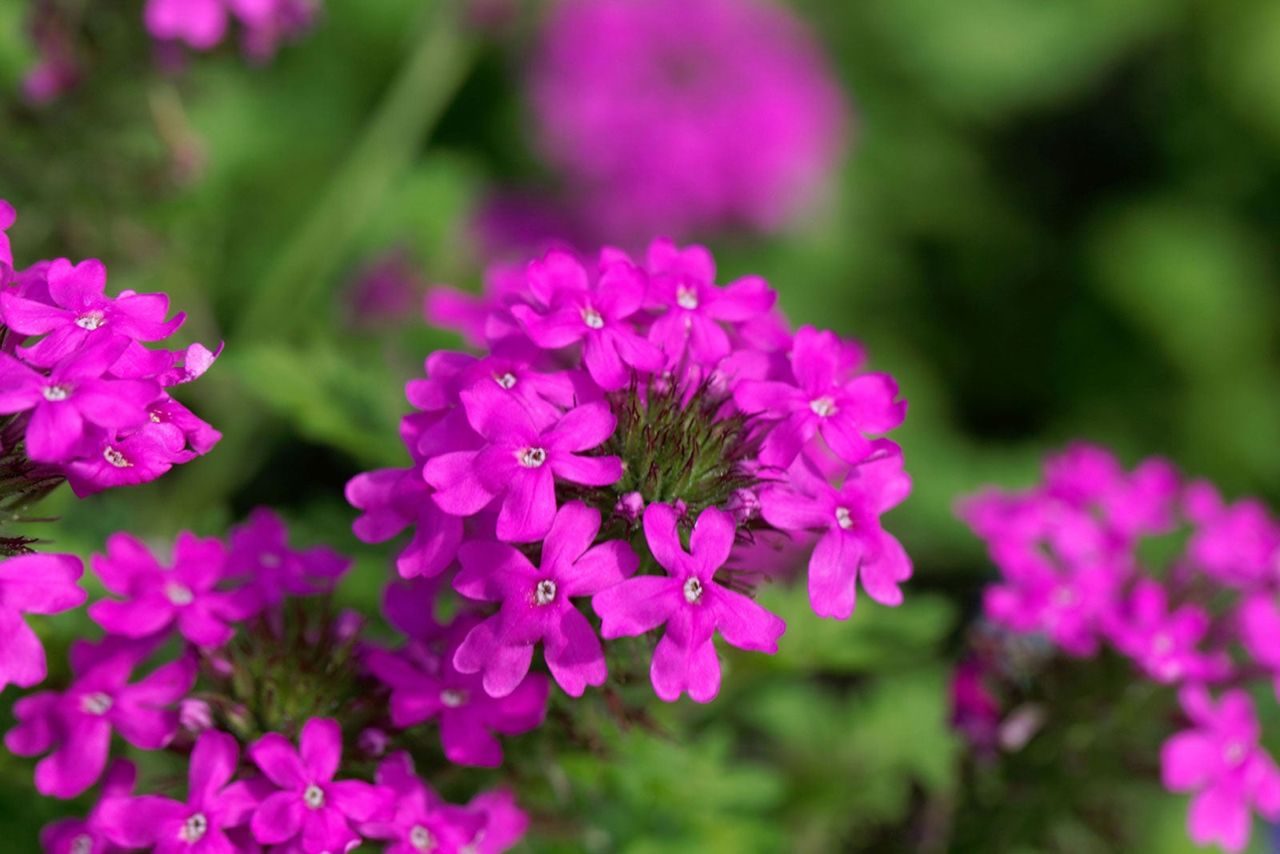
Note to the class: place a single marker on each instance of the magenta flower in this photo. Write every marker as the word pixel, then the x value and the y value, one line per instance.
pixel 79 312
pixel 32 584
pixel 86 835
pixel 185 595
pixel 537 606
pixel 519 463
pixel 827 398
pixel 504 822
pixel 214 804
pixel 260 554
pixel 113 460
pixel 76 724
pixel 75 393
pixel 690 603
pixel 7 217
pixel 1163 643
pixel 422 821
pixel 394 499
pixel 1141 502
pixel 1259 618
pixel 852 544
pixel 1221 761
pixel 311 810
pixel 1237 544
pixel 425 685
pixel 684 115
pixel 682 285
pixel 202 24
pixel 595 316
pixel 545 395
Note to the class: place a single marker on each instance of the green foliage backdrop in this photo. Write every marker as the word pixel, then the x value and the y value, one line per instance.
pixel 1057 219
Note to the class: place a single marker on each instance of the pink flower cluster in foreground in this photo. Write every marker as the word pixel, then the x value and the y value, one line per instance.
pixel 91 399
pixel 626 454
pixel 1070 552
pixel 684 115
pixel 209 658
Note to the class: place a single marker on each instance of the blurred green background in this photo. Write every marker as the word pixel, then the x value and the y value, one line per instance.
pixel 1056 219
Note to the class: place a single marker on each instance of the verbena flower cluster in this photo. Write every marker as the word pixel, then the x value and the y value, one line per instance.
pixel 228 658
pixel 82 396
pixel 203 24
pixel 682 116
pixel 630 447
pixel 1074 555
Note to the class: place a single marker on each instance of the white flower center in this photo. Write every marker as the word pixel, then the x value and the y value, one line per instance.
pixel 82 844
pixel 506 381
pixel 531 458
pixel 545 592
pixel 843 519
pixel 155 417
pixel 823 407
pixel 116 458
pixel 1064 597
pixel 178 594
pixel 313 797
pixel 270 560
pixel 1161 643
pixel 421 839
pixel 1233 753
pixel 687 297
pixel 692 590
pixel 592 318
pixel 452 698
pixel 55 393
pixel 194 829
pixel 91 320
pixel 95 704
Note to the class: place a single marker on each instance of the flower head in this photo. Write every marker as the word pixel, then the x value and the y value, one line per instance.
pixel 537 603
pixel 310 808
pixel 32 584
pixel 690 603
pixel 684 115
pixel 76 724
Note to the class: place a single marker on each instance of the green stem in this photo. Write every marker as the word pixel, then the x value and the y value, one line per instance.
pixel 292 292
pixel 429 79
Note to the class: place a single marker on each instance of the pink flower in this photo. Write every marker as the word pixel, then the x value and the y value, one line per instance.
pixel 826 398
pixel 425 685
pixel 1163 643
pixel 684 115
pixel 32 584
pixel 504 822
pixel 853 543
pixel 537 606
pixel 520 463
pixel 79 312
pixel 186 595
pixel 595 316
pixel 1220 759
pixel 1237 544
pixel 113 460
pixel 311 809
pixel 77 836
pixel 260 553
pixel 690 603
pixel 393 499
pixel 1259 618
pixel 214 804
pixel 75 393
pixel 7 217
pixel 76 724
pixel 683 285
pixel 422 821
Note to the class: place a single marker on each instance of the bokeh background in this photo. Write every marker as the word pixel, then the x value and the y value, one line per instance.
pixel 1052 220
